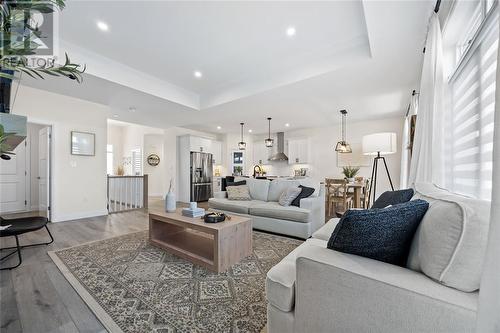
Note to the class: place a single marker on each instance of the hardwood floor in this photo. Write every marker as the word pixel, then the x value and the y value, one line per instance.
pixel 35 297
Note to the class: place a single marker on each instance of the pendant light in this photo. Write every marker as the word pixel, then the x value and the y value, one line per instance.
pixel 242 144
pixel 269 142
pixel 342 146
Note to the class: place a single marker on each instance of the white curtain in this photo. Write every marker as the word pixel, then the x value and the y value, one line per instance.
pixel 405 151
pixel 489 295
pixel 426 162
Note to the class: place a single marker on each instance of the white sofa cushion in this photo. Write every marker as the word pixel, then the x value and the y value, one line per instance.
pixel 278 186
pixel 259 188
pixel 235 206
pixel 326 231
pixel 280 282
pixel 450 244
pixel 275 210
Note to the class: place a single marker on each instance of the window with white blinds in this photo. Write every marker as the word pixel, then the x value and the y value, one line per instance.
pixel 136 162
pixel 469 117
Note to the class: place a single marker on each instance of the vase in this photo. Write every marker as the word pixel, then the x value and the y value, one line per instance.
pixel 350 180
pixel 170 203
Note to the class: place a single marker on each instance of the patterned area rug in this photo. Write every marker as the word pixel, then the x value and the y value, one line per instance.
pixel 133 286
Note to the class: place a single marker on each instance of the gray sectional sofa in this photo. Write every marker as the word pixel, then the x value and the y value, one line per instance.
pixel 315 289
pixel 268 215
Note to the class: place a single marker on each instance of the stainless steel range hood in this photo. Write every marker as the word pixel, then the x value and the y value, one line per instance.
pixel 280 155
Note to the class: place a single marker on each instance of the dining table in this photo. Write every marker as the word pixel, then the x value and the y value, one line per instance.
pixel 358 188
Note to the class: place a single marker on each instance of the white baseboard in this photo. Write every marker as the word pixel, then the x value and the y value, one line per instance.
pixel 76 216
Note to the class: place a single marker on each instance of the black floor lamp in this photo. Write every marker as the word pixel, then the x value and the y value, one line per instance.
pixel 379 144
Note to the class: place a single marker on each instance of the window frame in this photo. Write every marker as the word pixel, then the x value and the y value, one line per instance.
pixel 475 40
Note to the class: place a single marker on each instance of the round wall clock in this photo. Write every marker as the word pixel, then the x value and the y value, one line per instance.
pixel 153 160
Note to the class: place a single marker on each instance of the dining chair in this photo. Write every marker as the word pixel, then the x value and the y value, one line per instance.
pixel 338 193
pixel 365 194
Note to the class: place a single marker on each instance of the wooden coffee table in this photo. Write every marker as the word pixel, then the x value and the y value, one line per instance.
pixel 215 246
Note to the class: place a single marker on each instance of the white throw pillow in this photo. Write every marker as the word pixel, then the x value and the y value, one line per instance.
pixel 238 193
pixel 278 186
pixel 450 243
pixel 289 195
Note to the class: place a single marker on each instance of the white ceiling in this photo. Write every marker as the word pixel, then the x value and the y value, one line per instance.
pixel 236 45
pixel 361 56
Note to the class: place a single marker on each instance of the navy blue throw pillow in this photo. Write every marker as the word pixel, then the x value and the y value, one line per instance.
pixel 305 193
pixel 381 234
pixel 241 182
pixel 393 198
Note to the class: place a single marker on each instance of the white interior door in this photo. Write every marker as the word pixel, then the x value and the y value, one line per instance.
pixel 44 170
pixel 13 181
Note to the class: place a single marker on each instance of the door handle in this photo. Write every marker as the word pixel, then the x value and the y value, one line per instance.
pixel 38 177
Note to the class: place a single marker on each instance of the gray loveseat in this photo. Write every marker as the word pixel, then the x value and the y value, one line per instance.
pixel 315 289
pixel 268 215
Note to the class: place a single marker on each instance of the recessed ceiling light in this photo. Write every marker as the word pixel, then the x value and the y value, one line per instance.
pixel 115 115
pixel 290 31
pixel 102 26
pixel 132 109
pixel 197 74
pixel 287 125
pixel 218 127
pixel 250 131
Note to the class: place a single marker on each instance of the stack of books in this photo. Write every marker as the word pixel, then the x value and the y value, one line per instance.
pixel 197 212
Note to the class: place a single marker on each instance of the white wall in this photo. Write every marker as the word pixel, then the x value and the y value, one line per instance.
pixel 153 144
pixel 78 182
pixel 115 138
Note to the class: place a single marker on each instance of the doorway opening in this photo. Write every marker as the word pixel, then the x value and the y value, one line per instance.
pixel 25 179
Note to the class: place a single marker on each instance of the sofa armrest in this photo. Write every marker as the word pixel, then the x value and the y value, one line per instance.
pixel 220 194
pixel 356 294
pixel 317 207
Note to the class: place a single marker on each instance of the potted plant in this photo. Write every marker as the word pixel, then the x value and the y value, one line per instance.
pixel 238 170
pixel 350 172
pixel 120 171
pixel 19 43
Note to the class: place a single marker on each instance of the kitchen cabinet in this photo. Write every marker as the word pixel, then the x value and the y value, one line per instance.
pixel 217 184
pixel 204 145
pixel 200 144
pixel 298 151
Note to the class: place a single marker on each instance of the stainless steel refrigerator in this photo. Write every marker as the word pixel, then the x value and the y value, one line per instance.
pixel 201 176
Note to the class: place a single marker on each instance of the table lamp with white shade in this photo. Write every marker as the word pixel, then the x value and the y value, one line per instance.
pixel 379 144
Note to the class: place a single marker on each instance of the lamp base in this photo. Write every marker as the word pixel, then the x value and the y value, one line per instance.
pixel 373 181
